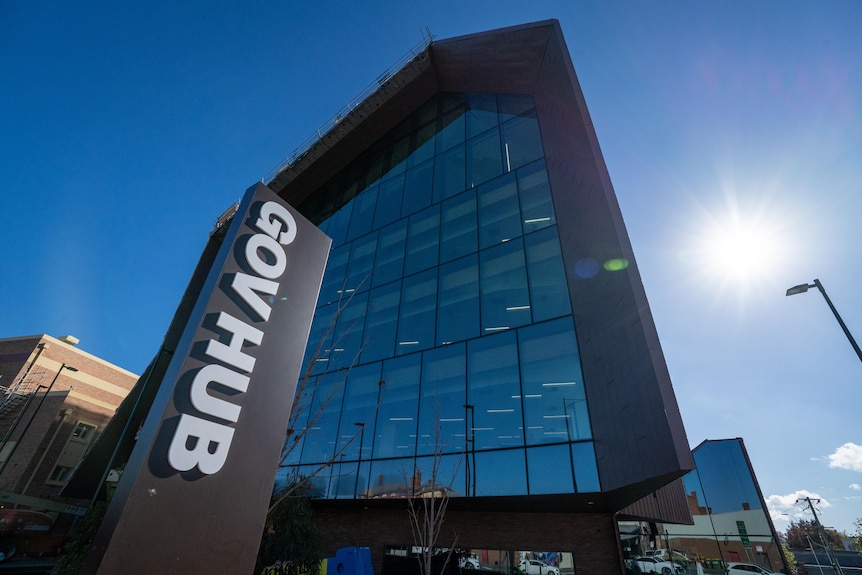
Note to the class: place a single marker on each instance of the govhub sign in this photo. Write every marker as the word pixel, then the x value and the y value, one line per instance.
pixel 206 457
pixel 205 443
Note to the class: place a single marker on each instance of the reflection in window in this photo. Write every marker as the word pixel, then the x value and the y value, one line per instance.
pixel 549 297
pixel 347 337
pixel 418 312
pixel 381 323
pixel 495 392
pixel 389 261
pixel 389 201
pixel 552 383
pixel 363 213
pixel 356 432
pixel 522 143
pixel 499 213
pixel 361 264
pixel 537 209
pixel 484 160
pixel 395 433
pixel 500 472
pixel 449 174
pixel 417 189
pixel 550 469
pixel 586 472
pixel 505 297
pixel 423 239
pixel 442 415
pixel 322 425
pixel 458 307
pixel 444 235
pixel 458 227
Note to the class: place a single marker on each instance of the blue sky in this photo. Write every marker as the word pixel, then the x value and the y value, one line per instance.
pixel 127 128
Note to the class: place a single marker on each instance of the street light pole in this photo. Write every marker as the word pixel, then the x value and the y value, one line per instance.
pixel 802 288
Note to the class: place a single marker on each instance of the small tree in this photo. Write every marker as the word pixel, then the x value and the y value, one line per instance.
pixel 800 532
pixel 427 504
pixel 857 537
pixel 789 559
pixel 290 536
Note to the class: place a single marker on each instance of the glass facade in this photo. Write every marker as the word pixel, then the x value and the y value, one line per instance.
pixel 443 337
pixel 730 521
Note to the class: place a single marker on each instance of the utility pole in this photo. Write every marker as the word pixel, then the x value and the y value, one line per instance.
pixel 832 559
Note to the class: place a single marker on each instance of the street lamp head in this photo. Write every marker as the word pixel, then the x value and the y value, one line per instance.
pixel 801 288
pixel 70 368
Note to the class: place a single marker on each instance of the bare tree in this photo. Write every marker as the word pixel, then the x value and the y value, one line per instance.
pixel 428 502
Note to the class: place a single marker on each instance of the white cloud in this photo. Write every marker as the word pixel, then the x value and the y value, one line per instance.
pixel 848 456
pixel 855 487
pixel 783 508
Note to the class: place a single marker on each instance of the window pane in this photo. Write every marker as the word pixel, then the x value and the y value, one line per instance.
pixel 360 403
pixel 423 239
pixel 458 234
pixel 482 113
pixel 586 473
pixel 442 421
pixel 495 391
pixel 336 224
pixel 322 424
pixel 521 141
pixel 389 201
pixel 505 297
pixel 422 145
pixel 361 263
pixel 363 213
pixel 537 209
pixel 319 346
pixel 347 338
pixel 500 472
pixel 549 296
pixel 389 262
pixel 512 105
pixel 550 470
pixel 499 214
pixel 381 323
pixel 450 475
pixel 451 129
pixel 484 159
pixel 395 433
pixel 458 307
pixel 449 174
pixel 554 401
pixel 417 189
pixel 418 312
pixel 331 289
pixel 389 478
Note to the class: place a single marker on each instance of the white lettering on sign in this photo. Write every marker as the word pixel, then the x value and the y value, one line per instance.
pixel 204 443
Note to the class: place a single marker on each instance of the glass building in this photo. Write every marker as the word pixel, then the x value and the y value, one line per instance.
pixel 481 327
pixel 443 327
pixel 730 521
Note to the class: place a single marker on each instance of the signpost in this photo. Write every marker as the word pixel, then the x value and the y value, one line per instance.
pixel 194 493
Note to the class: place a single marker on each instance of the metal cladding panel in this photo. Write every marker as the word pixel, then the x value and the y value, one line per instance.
pixel 635 418
pixel 194 494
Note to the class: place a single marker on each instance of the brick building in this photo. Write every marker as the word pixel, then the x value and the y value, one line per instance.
pixel 56 399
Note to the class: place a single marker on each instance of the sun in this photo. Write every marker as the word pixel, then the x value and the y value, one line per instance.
pixel 740 250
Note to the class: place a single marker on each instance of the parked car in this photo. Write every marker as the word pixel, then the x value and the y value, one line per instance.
pixel 748 569
pixel 468 562
pixel 533 567
pixel 654 565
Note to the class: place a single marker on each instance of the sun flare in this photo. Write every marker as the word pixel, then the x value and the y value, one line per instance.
pixel 740 251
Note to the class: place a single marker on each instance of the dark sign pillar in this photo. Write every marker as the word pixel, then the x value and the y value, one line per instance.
pixel 194 494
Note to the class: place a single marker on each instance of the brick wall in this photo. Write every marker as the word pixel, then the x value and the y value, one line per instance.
pixel 591 538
